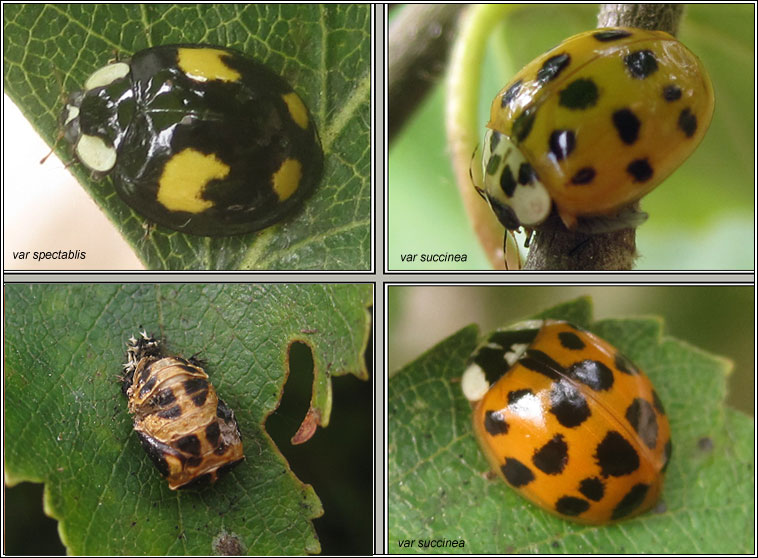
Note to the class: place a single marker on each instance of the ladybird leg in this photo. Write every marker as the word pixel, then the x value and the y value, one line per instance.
pixel 529 234
pixel 505 249
pixel 148 227
pixel 627 218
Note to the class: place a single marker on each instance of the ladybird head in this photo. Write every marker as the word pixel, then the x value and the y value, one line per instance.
pixel 95 146
pixel 511 186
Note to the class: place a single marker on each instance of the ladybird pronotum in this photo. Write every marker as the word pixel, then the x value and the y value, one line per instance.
pixel 568 421
pixel 189 433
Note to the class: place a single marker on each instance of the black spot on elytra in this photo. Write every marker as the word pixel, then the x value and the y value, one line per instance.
pixel 592 373
pixel 199 398
pixel 585 175
pixel 212 433
pixel 627 125
pixel 170 413
pixel 641 63
pixel 552 457
pixel 592 488
pixel 540 362
pixel 568 404
pixel 562 143
pixel 164 398
pixel 516 473
pixel 624 365
pixel 510 94
pixel 522 124
pixel 193 461
pixel 570 341
pixel 571 506
pixel 495 423
pixel 631 501
pixel 641 416
pixel 144 390
pixel 672 93
pixel 615 456
pixel 658 404
pixel 640 170
pixel 144 375
pixel 687 122
pixel 552 67
pixel 189 444
pixel 611 35
pixel 580 94
pixel 194 384
pixel 507 181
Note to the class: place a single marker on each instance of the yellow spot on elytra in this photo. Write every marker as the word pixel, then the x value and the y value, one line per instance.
pixel 297 109
pixel 206 64
pixel 184 179
pixel 287 178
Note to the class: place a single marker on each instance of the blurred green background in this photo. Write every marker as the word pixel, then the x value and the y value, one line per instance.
pixel 701 217
pixel 717 319
pixel 337 462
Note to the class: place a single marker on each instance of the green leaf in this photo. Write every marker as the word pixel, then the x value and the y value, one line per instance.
pixel 437 484
pixel 322 50
pixel 64 349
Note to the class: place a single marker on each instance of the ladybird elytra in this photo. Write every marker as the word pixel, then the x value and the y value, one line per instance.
pixel 593 125
pixel 190 434
pixel 197 138
pixel 568 421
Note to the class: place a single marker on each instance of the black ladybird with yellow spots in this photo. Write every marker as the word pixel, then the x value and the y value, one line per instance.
pixel 200 139
pixel 189 433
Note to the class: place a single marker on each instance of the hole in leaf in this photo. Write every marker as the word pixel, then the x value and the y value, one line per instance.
pixel 338 460
pixel 28 531
pixel 284 423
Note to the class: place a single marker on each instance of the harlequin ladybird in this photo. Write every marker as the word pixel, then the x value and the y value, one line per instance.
pixel 189 433
pixel 592 126
pixel 200 139
pixel 568 421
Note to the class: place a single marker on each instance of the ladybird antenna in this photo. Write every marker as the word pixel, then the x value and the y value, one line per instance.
pixel 58 138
